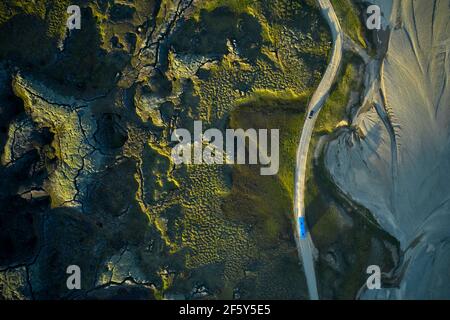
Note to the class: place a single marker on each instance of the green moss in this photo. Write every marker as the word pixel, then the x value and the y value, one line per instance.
pixel 52 11
pixel 250 7
pixel 334 110
pixel 214 30
pixel 237 6
pixel 348 16
pixel 325 228
pixel 56 18
pixel 269 99
pixel 68 143
pixel 13 284
pixel 275 109
pixel 166 7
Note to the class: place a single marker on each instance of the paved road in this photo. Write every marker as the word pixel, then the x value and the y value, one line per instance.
pixel 305 246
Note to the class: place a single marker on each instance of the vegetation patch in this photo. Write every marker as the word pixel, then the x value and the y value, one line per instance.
pixel 349 17
pixel 265 202
pixel 335 110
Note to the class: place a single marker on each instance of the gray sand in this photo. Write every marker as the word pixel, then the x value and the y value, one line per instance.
pixel 400 168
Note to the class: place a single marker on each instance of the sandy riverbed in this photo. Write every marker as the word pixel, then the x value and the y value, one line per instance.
pixel 401 171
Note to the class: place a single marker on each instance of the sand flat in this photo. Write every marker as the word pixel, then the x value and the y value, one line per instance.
pixel 403 178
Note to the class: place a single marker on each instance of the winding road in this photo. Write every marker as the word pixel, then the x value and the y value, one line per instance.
pixel 305 246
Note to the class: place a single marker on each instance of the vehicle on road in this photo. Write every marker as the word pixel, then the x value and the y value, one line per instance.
pixel 302 227
pixel 311 114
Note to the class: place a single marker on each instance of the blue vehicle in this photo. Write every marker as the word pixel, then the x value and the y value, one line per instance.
pixel 302 226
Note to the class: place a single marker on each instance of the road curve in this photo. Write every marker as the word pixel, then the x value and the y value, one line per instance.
pixel 305 246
